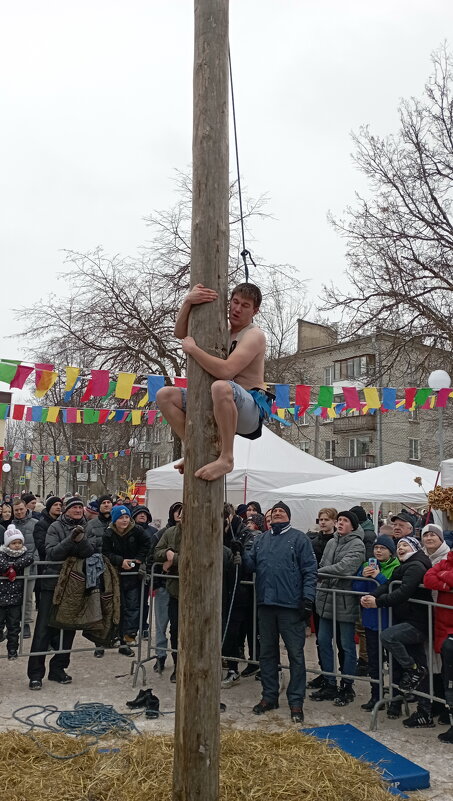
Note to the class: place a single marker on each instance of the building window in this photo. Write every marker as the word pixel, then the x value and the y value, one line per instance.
pixel 329 450
pixel 156 435
pixel 414 449
pixel 156 460
pixel 359 446
pixel 303 421
pixel 305 446
pixel 328 375
pixel 357 367
pixel 170 434
pixel 146 460
pixel 413 416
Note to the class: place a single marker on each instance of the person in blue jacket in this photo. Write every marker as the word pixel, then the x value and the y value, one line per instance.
pixel 381 571
pixel 286 572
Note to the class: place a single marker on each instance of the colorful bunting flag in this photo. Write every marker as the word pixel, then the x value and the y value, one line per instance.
pixel 325 396
pixel 124 385
pixel 20 377
pixel 282 396
pixel 155 382
pixel 351 397
pixel 302 398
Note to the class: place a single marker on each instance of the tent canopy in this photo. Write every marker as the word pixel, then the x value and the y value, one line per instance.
pixel 393 483
pixel 260 465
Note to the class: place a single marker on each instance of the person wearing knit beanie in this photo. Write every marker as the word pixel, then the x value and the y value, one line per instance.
pixel 14 558
pixel 386 542
pixel 119 511
pixel 73 500
pixel 284 506
pixel 11 535
pixel 437 530
pixel 50 502
pixel 359 512
pixel 434 544
pixel 352 517
pixel 256 522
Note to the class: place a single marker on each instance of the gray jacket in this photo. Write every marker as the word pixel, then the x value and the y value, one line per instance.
pixel 98 526
pixel 343 555
pixel 60 545
pixel 26 527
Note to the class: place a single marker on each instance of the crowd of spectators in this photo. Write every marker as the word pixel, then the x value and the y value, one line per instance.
pixel 363 593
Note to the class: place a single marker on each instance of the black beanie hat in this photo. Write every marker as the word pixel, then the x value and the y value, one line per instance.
pixel 28 497
pixel 281 505
pixel 359 512
pixel 50 502
pixel 74 500
pixel 352 517
pixel 139 509
pixel 106 497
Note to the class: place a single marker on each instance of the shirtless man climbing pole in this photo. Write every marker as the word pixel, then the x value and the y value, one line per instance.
pixel 238 395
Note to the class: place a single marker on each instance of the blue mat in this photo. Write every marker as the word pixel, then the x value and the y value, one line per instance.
pixel 400 772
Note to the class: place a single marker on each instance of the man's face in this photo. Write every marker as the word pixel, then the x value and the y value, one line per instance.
pixel 55 509
pixel 241 312
pixel 141 518
pixel 401 528
pixel 75 512
pixel 31 505
pixel 344 526
pixel 20 511
pixel 326 523
pixel 279 515
pixel 106 507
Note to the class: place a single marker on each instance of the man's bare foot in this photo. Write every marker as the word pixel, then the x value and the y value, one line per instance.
pixel 179 466
pixel 215 469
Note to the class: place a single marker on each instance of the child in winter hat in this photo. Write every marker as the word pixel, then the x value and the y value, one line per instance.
pixel 14 558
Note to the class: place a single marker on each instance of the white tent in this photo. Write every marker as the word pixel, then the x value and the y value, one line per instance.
pixel 393 483
pixel 260 465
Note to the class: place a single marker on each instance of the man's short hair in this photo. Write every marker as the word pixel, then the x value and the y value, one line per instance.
pixel 18 502
pixel 329 511
pixel 249 292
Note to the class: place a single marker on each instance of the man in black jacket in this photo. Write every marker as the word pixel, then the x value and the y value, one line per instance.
pixel 65 537
pixel 405 638
pixel 98 525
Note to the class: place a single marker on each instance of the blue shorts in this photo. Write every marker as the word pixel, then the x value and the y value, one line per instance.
pixel 248 410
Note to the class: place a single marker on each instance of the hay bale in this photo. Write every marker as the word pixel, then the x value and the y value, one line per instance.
pixel 255 766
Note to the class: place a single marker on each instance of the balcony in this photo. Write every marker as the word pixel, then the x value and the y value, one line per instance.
pixel 345 425
pixel 82 477
pixel 353 463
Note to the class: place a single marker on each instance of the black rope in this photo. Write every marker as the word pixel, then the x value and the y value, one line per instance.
pixel 244 252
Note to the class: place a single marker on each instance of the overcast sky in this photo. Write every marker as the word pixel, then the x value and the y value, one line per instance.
pixel 96 116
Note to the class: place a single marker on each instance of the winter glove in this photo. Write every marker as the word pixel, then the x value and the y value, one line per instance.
pixel 142 571
pixel 237 559
pixel 236 547
pixel 78 533
pixel 10 573
pixel 306 610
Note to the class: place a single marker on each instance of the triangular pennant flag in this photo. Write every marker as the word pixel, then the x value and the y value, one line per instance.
pixel 46 381
pixel 351 397
pixel 442 397
pixel 302 398
pixel 103 415
pixel 124 385
pixel 151 416
pixel 155 382
pixel 88 393
pixel 21 376
pixel 282 396
pixel 8 371
pixel 52 414
pixel 372 397
pixel 325 396
pixel 143 401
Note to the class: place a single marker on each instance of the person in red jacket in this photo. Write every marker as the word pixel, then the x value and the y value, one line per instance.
pixel 440 578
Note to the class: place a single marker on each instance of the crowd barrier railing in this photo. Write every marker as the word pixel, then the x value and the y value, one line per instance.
pixel 146 654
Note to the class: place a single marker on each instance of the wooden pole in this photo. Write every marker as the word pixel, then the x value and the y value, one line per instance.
pixel 197 725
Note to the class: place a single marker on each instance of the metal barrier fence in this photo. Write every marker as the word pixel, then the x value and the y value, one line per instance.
pixel 148 654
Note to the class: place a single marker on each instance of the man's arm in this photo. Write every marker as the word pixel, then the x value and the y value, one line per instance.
pixel 253 343
pixel 199 294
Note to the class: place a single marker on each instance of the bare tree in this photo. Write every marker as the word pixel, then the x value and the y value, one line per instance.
pixel 400 238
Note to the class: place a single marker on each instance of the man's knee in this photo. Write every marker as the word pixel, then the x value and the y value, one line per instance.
pixel 221 390
pixel 169 395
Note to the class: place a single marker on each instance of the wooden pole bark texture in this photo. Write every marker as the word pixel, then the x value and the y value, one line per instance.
pixel 197 735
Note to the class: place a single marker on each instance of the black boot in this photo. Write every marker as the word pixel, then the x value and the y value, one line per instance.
pixel 139 700
pixel 327 693
pixel 152 706
pixel 159 664
pixel 317 683
pixel 446 736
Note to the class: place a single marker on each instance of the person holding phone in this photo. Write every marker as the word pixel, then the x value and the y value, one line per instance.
pixel 379 567
pixel 126 545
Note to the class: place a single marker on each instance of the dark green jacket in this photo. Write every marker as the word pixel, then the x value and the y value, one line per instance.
pixel 170 540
